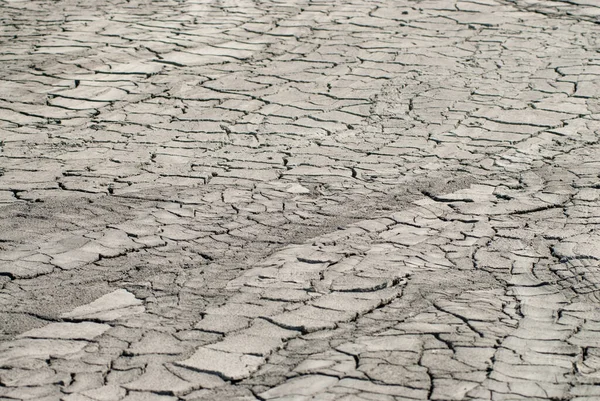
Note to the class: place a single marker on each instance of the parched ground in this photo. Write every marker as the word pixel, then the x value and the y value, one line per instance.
pixel 299 200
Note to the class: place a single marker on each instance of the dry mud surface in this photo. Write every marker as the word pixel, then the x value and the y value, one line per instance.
pixel 299 200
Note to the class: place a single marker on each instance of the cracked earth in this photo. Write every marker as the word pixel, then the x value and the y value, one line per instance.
pixel 301 200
